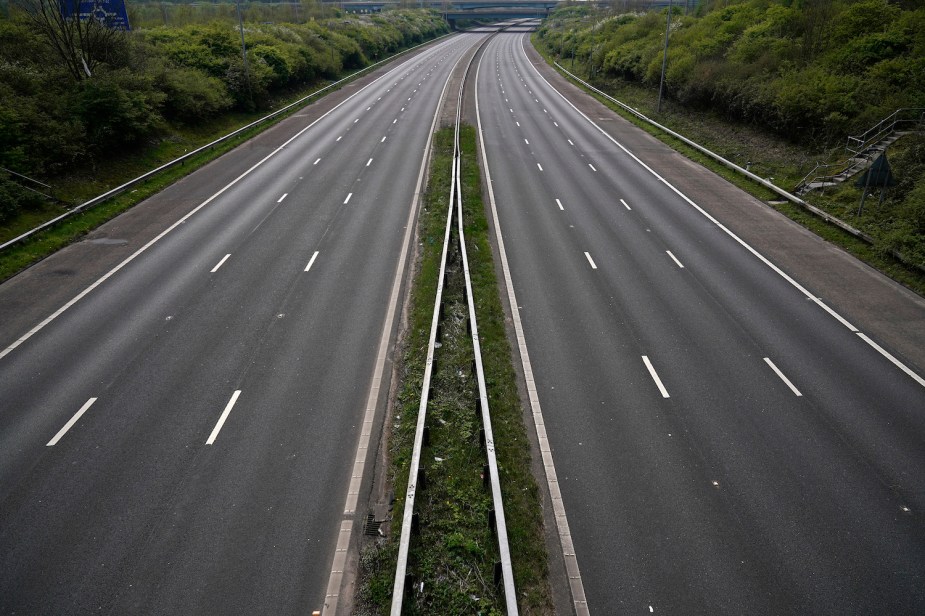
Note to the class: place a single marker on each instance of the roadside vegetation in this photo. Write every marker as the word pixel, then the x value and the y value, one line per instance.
pixel 451 561
pixel 85 118
pixel 776 86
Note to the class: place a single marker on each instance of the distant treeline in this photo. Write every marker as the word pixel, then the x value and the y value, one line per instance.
pixel 810 70
pixel 54 118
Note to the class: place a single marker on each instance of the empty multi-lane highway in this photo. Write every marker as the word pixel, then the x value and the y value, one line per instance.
pixel 182 437
pixel 724 441
pixel 189 397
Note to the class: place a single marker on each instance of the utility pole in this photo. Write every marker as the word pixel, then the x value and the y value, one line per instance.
pixel 247 74
pixel 661 85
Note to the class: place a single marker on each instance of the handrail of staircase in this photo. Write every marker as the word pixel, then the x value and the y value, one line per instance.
pixel 859 143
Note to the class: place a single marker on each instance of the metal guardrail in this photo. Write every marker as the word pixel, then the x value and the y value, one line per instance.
pixel 415 472
pixel 177 161
pixel 841 224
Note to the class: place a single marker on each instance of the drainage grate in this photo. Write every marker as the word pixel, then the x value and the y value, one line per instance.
pixel 371 529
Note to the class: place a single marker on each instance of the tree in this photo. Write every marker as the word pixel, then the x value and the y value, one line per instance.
pixel 81 44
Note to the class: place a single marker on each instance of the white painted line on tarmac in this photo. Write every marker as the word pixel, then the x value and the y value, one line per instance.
pixel 280 200
pixel 311 261
pixel 70 422
pixel 220 263
pixel 890 357
pixel 221 420
pixel 570 142
pixel 592 167
pixel 559 203
pixel 527 142
pixel 316 161
pixel 590 260
pixel 357 120
pixel 654 376
pixel 339 138
pixel 556 124
pixel 383 139
pixel 626 205
pixel 539 166
pixel 369 162
pixel 348 198
pixel 675 259
pixel 780 374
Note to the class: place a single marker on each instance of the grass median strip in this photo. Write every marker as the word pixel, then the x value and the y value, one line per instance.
pixel 452 557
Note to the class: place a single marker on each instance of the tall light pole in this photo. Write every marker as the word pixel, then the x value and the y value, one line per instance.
pixel 661 85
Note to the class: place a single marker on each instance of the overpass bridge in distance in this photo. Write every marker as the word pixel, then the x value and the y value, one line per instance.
pixel 490 9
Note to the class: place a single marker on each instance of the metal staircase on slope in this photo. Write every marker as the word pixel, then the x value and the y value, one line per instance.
pixel 864 149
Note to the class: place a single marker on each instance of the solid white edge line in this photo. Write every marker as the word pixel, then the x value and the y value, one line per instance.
pixel 590 260
pixel 573 573
pixel 654 375
pixel 626 205
pixel 220 263
pixel 687 199
pixel 182 220
pixel 890 357
pixel 311 261
pixel 332 594
pixel 780 374
pixel 224 416
pixel 70 422
pixel 675 259
pixel 280 200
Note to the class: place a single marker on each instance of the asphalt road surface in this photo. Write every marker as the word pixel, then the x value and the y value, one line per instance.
pixel 181 439
pixel 724 441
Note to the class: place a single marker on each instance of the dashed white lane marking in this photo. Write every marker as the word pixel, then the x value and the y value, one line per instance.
pixel 339 138
pixel 348 198
pixel 395 120
pixel 556 124
pixel 626 205
pixel 527 142
pixel 539 166
pixel 369 162
pixel 654 376
pixel 592 167
pixel 570 142
pixel 221 420
pixel 311 261
pixel 220 263
pixel 368 108
pixel 383 139
pixel 357 120
pixel 511 110
pixel 517 123
pixel 70 422
pixel 675 259
pixel 559 203
pixel 317 161
pixel 780 374
pixel 590 260
pixel 280 200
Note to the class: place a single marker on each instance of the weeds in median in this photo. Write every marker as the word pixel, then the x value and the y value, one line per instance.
pixel 451 561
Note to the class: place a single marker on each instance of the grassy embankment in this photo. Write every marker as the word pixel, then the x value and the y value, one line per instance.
pixel 760 99
pixel 455 552
pixel 155 94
